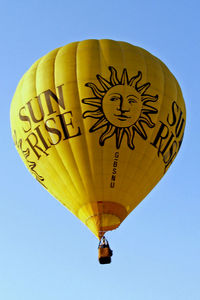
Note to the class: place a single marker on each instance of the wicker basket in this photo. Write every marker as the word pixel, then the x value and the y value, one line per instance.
pixel 104 255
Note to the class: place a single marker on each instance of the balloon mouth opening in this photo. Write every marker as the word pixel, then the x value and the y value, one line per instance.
pixel 102 216
pixel 99 225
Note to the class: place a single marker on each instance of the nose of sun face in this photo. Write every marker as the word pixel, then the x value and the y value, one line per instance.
pixel 124 105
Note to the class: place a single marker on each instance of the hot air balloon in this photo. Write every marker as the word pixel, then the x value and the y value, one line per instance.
pixel 98 123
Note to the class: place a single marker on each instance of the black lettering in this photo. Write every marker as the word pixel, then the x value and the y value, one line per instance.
pixel 24 118
pixel 53 131
pixel 180 141
pixel 113 177
pixel 114 171
pixel 179 125
pixel 116 154
pixel 34 145
pixel 115 164
pixel 59 100
pixel 168 143
pixel 65 125
pixel 175 110
pixel 31 110
pixel 161 135
pixel 170 155
pixel 41 137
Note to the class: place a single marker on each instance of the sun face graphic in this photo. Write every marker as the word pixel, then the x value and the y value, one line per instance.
pixel 122 107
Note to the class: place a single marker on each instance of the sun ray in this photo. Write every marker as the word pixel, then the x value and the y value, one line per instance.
pixel 99 124
pixel 119 136
pixel 130 136
pixel 140 130
pixel 121 110
pixel 147 120
pixel 110 130
pixel 139 77
pixel 142 89
pixel 133 79
pixel 98 93
pixel 104 83
pixel 149 110
pixel 124 79
pixel 113 77
pixel 93 101
pixel 95 114
pixel 149 98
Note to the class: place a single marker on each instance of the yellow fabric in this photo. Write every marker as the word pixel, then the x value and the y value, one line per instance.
pixel 98 123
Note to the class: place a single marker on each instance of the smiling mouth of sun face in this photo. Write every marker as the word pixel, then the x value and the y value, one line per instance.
pixel 122 107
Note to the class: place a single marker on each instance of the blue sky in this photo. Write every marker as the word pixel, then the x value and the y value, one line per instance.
pixel 45 252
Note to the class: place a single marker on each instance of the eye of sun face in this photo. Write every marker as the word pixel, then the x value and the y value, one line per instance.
pixel 122 105
pixel 115 97
pixel 132 99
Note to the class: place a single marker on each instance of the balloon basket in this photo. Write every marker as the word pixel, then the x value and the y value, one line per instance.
pixel 104 252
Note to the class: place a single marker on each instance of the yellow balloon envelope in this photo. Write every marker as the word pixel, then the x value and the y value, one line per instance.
pixel 98 123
